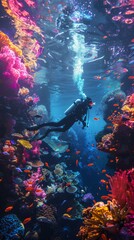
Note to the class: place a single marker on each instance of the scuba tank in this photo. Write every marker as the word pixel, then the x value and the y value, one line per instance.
pixel 72 107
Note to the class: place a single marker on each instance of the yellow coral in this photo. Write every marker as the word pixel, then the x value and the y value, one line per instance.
pixel 5 41
pixel 128 109
pixel 25 143
pixel 23 91
pixel 100 217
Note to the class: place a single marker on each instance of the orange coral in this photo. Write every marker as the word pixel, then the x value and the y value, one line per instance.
pixel 5 41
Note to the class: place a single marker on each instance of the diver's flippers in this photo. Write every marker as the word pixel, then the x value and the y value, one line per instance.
pixel 34 128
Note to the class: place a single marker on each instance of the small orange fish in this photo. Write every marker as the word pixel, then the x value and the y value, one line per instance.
pixel 27 171
pixel 95 118
pixel 103 237
pixel 131 77
pixel 8 208
pixel 77 162
pixel 31 205
pixel 38 190
pixel 69 209
pixel 46 164
pixel 29 189
pixel 109 127
pixel 116 105
pixel 103 171
pixel 68 184
pixel 107 187
pixel 26 220
pixel 77 152
pixel 90 164
pixel 68 150
pixel 104 197
pixel 103 181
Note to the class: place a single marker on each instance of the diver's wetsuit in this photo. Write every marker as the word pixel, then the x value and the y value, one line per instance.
pixel 79 114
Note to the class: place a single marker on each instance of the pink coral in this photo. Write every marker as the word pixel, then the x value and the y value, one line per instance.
pixel 36 147
pixel 31 184
pixel 12 71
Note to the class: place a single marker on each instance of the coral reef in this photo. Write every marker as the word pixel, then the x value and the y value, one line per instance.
pixel 11 227
pixel 122 188
pixel 101 218
pixel 31 184
pixel 13 73
pixel 46 214
pixel 120 141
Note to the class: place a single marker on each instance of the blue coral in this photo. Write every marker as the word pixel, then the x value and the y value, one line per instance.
pixel 11 227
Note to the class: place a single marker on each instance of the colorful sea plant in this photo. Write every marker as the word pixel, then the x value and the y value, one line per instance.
pixel 13 72
pixel 117 215
pixel 32 184
pixel 101 218
pixel 25 29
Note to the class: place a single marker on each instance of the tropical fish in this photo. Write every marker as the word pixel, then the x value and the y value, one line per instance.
pixel 104 237
pixel 104 197
pixel 116 105
pixel 46 164
pixel 77 152
pixel 69 209
pixel 25 143
pixel 29 189
pixel 77 162
pixel 131 77
pixel 103 170
pixel 103 181
pixel 66 215
pixel 27 171
pixel 8 208
pixel 90 164
pixel 95 118
pixel 26 220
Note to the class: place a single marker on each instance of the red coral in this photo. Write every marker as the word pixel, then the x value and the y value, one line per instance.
pixel 122 188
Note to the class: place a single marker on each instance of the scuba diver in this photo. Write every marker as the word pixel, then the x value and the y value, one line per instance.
pixel 76 112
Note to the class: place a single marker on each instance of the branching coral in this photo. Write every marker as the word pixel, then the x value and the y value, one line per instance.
pixel 32 186
pixel 106 143
pixel 128 106
pixel 25 27
pixel 122 188
pixel 5 41
pixel 114 216
pixel 99 218
pixel 46 214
